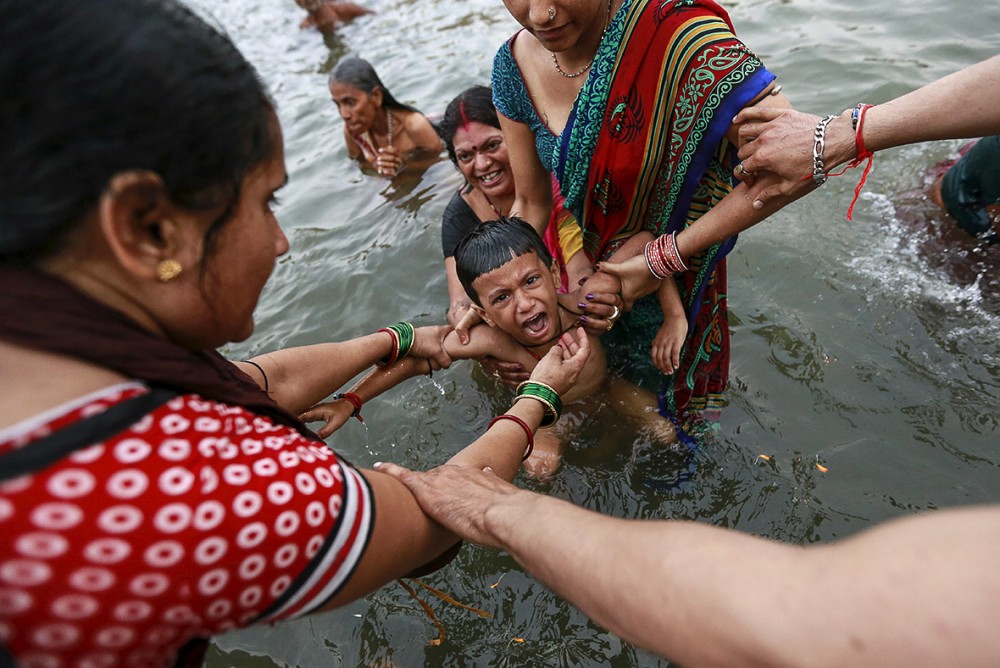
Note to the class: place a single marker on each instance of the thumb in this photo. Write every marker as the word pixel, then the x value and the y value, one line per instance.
pixel 613 268
pixel 395 470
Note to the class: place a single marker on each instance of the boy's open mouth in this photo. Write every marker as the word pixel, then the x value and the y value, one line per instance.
pixel 536 325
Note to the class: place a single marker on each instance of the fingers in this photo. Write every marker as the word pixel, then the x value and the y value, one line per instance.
pixel 578 347
pixel 388 162
pixel 743 173
pixel 462 328
pixel 314 414
pixel 396 471
pixel 757 113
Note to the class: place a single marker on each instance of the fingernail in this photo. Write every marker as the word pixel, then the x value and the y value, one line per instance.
pixel 377 465
pixel 581 305
pixel 584 320
pixel 757 204
pixel 590 298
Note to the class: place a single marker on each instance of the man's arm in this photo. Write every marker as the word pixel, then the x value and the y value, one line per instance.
pixel 923 590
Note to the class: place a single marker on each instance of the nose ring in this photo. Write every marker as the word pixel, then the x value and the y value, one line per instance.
pixel 552 13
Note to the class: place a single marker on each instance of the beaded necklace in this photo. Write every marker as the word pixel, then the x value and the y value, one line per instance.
pixel 591 61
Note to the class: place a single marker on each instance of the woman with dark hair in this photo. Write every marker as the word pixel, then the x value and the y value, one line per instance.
pixel 472 136
pixel 379 130
pixel 151 492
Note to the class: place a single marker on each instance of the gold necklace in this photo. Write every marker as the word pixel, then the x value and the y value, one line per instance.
pixel 591 61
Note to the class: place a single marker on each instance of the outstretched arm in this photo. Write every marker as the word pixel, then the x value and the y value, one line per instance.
pixel 963 104
pixel 919 591
pixel 483 341
pixel 404 538
pixel 296 378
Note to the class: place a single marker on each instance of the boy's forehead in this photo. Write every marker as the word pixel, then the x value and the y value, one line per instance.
pixel 516 264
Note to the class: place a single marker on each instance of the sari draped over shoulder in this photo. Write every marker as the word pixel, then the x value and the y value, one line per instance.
pixel 645 150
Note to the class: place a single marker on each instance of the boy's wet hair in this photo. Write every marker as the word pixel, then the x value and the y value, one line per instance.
pixel 491 245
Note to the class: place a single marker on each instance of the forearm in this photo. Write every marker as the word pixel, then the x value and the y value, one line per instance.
pixel 381 379
pixel 534 210
pixel 669 298
pixel 963 104
pixel 667 586
pixel 503 445
pixel 730 216
pixel 299 377
pixel 702 595
pixel 458 300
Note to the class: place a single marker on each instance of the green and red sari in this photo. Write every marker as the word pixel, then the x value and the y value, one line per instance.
pixel 645 149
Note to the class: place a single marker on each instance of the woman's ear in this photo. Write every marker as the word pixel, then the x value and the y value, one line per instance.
pixel 377 96
pixel 136 221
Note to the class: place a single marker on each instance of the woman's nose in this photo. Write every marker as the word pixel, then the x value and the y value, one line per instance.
pixel 483 160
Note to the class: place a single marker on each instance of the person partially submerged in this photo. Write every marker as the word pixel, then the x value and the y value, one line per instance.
pixel 512 280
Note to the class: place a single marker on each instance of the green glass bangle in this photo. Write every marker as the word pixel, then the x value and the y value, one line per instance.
pixel 406 336
pixel 542 391
pixel 402 340
pixel 550 416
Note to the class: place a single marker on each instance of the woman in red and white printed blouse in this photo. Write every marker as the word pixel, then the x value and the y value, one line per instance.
pixel 153 493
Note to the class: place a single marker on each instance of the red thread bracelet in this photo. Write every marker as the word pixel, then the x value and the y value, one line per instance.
pixel 353 400
pixel 524 425
pixel 863 155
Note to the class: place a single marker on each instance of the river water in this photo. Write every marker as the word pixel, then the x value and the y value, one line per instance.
pixel 867 347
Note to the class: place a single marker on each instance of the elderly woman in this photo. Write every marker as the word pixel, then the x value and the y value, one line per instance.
pixel 630 103
pixel 380 131
pixel 151 492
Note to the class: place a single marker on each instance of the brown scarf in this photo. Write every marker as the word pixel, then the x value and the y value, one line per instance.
pixel 40 311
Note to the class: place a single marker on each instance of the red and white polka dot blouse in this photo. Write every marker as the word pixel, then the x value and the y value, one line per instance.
pixel 199 518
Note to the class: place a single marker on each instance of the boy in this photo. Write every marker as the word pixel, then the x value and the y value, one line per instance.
pixel 512 280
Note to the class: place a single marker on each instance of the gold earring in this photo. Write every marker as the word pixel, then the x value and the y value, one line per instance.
pixel 168 270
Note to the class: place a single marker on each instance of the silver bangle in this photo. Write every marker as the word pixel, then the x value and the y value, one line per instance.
pixel 819 175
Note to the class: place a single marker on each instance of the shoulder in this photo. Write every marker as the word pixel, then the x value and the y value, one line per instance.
pixel 420 128
pixel 458 220
pixel 510 96
pixel 458 211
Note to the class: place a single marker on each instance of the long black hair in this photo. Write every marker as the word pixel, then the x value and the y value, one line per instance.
pixel 472 105
pixel 94 88
pixel 491 245
pixel 360 74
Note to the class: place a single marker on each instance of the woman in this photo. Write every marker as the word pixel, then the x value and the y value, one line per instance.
pixel 379 130
pixel 629 103
pixel 151 492
pixel 474 141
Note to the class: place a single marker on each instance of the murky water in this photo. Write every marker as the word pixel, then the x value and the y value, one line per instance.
pixel 868 347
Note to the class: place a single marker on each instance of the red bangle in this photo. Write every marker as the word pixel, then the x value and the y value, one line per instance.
pixel 524 425
pixel 353 400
